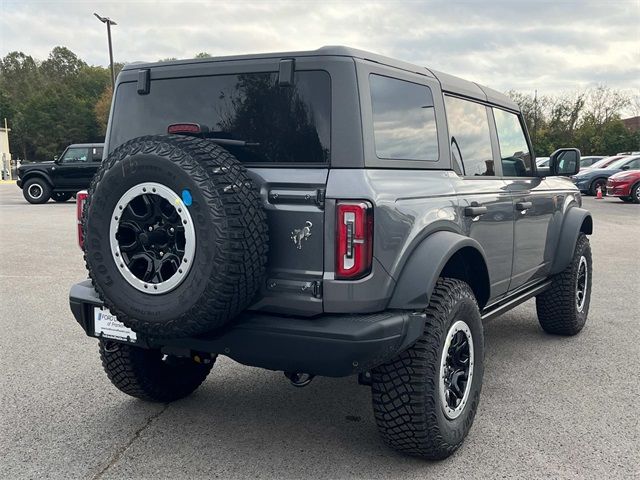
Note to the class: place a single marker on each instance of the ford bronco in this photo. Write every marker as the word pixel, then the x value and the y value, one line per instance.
pixel 331 212
pixel 63 177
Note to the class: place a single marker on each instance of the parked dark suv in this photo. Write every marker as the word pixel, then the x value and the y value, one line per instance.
pixel 63 177
pixel 331 212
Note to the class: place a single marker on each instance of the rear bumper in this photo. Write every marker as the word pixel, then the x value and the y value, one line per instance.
pixel 333 345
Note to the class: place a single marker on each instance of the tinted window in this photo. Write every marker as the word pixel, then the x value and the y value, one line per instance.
pixel 96 154
pixel 470 138
pixel 404 123
pixel 285 124
pixel 634 164
pixel 75 155
pixel 514 150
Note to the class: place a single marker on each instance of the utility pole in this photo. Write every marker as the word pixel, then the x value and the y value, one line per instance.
pixel 109 22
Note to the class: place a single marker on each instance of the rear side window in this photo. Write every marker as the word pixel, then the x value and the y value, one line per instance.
pixel 514 150
pixel 96 154
pixel 404 123
pixel 469 136
pixel 283 124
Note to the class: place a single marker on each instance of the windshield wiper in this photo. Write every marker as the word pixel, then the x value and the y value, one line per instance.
pixel 232 143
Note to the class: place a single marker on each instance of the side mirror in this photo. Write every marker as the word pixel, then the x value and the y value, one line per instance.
pixel 56 158
pixel 626 167
pixel 564 162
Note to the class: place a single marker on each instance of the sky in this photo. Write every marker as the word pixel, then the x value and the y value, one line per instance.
pixel 551 46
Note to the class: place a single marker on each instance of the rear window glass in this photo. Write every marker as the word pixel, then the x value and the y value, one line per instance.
pixel 285 124
pixel 404 122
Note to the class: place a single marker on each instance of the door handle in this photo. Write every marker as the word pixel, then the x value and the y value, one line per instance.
pixel 474 211
pixel 522 206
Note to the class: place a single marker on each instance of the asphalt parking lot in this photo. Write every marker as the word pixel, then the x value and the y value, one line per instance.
pixel 551 407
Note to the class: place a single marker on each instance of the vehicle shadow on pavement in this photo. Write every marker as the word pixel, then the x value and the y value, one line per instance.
pixel 250 422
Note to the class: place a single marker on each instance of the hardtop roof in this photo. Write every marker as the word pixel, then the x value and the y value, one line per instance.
pixel 82 145
pixel 449 83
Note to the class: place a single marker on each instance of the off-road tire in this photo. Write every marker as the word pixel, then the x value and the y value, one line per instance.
pixel 405 391
pixel 557 307
pixel 149 375
pixel 61 197
pixel 45 189
pixel 230 230
pixel 593 189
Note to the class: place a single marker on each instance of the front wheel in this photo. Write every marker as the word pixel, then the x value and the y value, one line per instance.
pixel 150 375
pixel 36 191
pixel 563 308
pixel 635 193
pixel 425 399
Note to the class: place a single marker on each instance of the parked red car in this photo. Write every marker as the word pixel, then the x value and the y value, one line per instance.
pixel 625 185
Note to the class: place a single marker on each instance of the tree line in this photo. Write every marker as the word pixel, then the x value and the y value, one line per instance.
pixel 589 120
pixel 52 103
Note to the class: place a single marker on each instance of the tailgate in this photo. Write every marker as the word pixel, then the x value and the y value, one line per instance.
pixel 294 201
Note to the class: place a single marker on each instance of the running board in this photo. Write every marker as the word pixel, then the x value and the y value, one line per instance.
pixel 511 302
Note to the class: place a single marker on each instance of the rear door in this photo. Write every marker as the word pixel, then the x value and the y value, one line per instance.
pixel 483 196
pixel 95 157
pixel 287 130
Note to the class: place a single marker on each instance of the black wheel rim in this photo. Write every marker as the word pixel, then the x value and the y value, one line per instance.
pixel 152 238
pixel 456 369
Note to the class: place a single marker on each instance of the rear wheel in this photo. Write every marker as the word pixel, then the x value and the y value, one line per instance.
pixel 150 375
pixel 425 399
pixel 36 190
pixel 61 197
pixel 563 308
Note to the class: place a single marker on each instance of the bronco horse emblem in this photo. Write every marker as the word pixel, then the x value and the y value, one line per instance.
pixel 300 234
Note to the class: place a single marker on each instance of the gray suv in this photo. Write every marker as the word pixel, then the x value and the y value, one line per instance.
pixel 331 212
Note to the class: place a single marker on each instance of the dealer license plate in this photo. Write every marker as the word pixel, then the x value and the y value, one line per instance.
pixel 107 325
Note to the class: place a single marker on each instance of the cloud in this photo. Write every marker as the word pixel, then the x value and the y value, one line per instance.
pixel 524 45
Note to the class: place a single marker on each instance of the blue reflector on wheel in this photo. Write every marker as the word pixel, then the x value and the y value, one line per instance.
pixel 186 197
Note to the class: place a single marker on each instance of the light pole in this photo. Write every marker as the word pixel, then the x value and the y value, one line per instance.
pixel 109 22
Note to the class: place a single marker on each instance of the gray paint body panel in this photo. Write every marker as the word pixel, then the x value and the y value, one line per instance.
pixel 419 206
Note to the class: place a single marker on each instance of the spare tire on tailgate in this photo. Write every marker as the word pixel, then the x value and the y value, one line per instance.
pixel 175 235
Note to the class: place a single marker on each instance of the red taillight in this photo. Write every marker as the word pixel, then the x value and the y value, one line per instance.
pixel 187 129
pixel 354 248
pixel 81 199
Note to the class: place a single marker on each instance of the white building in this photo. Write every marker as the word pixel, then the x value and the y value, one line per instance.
pixel 5 154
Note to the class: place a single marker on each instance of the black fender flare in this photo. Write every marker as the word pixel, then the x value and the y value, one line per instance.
pixel 425 264
pixel 38 173
pixel 576 220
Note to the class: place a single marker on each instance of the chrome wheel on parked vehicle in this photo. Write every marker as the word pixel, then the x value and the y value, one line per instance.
pixel 35 191
pixel 456 369
pixel 152 237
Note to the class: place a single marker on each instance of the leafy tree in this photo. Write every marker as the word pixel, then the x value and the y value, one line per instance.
pixel 101 109
pixel 203 55
pixel 61 63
